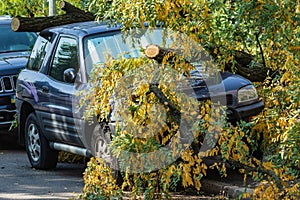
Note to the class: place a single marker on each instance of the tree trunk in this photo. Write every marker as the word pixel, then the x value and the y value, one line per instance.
pixel 38 24
pixel 255 73
pixel 245 64
pixel 248 68
pixel 156 52
pixel 69 8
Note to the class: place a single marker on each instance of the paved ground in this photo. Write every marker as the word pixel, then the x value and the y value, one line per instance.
pixel 19 181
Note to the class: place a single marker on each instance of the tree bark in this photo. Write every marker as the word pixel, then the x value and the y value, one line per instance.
pixel 245 65
pixel 38 24
pixel 158 53
pixel 69 8
pixel 248 68
pixel 170 107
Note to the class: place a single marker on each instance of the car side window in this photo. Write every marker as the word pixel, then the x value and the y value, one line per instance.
pixel 40 49
pixel 65 57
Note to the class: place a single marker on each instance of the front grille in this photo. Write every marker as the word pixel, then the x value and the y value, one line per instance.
pixel 8 83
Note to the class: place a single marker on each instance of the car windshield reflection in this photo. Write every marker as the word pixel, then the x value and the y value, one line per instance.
pixel 15 41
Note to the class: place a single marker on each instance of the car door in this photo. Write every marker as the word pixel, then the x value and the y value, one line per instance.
pixel 57 113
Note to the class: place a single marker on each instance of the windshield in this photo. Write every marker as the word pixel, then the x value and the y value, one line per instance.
pixel 98 47
pixel 101 46
pixel 15 41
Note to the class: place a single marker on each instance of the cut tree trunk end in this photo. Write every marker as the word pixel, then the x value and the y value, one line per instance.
pixel 157 53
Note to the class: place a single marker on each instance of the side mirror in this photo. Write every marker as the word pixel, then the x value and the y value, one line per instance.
pixel 69 75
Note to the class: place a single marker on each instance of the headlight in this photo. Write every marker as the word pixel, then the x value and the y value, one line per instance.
pixel 247 93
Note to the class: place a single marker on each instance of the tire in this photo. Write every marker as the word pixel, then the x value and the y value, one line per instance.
pixel 101 138
pixel 39 153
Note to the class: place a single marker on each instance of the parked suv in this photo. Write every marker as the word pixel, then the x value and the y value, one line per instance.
pixel 14 52
pixel 46 89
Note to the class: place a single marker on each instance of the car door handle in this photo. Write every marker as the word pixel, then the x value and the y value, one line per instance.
pixel 45 89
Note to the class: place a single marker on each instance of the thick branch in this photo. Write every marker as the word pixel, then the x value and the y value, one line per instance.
pixel 261 49
pixel 172 110
pixel 38 24
pixel 157 53
pixel 258 169
pixel 69 8
pixel 245 66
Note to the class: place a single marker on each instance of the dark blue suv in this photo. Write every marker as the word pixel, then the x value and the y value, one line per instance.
pixel 15 48
pixel 46 89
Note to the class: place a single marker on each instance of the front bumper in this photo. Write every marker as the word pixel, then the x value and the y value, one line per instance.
pixel 6 118
pixel 7 112
pixel 244 112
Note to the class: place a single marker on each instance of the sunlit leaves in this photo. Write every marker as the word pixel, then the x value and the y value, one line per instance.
pixel 38 8
pixel 222 27
pixel 99 182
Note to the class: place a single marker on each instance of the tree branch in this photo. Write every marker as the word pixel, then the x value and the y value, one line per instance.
pixel 172 110
pixel 258 169
pixel 261 49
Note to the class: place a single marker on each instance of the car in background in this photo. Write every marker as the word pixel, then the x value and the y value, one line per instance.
pixel 15 49
pixel 46 90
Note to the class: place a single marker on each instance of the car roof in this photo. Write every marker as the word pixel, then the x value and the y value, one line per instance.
pixel 5 20
pixel 82 28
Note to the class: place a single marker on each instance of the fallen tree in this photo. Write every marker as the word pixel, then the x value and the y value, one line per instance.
pixel 245 64
pixel 37 24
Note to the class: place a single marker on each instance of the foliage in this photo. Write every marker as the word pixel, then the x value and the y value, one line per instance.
pixel 138 103
pixel 37 7
pixel 99 182
pixel 67 157
pixel 269 30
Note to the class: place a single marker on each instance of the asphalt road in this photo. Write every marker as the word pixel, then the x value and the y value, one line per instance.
pixel 19 181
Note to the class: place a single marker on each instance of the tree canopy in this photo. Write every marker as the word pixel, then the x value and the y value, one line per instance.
pixel 267 34
pixel 258 39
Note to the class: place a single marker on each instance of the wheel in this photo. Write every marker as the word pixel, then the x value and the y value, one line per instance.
pixel 40 155
pixel 101 138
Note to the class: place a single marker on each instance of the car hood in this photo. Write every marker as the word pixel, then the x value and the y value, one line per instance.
pixel 233 81
pixel 217 85
pixel 13 62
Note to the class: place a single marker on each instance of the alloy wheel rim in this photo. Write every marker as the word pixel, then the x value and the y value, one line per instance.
pixel 101 149
pixel 34 145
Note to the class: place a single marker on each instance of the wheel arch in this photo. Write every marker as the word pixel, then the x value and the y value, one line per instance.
pixel 25 110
